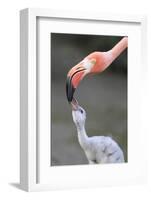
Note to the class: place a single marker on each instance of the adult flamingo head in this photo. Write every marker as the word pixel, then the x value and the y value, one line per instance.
pixel 94 63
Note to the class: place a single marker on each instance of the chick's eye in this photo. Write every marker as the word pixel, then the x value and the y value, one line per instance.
pixel 81 111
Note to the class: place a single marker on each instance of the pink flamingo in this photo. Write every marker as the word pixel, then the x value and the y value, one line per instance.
pixel 94 63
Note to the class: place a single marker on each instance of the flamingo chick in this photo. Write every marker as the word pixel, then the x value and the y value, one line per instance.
pixel 98 149
pixel 94 63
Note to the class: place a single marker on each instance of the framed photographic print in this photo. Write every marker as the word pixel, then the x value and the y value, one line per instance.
pixel 79 130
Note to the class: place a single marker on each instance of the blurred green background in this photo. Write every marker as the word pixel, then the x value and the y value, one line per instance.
pixel 103 96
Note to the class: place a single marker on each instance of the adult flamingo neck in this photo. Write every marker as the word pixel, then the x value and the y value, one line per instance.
pixel 119 48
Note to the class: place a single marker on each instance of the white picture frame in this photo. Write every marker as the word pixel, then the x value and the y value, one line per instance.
pixel 34 172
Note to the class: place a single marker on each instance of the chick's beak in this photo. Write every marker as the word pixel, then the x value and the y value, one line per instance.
pixel 74 104
pixel 75 75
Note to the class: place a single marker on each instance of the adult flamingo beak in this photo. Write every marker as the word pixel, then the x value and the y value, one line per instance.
pixel 75 75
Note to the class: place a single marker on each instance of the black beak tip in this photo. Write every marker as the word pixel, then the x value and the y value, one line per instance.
pixel 69 89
